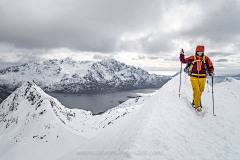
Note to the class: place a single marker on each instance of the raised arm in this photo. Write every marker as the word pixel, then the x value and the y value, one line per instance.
pixel 187 60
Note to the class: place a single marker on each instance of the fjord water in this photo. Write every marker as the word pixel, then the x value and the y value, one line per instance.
pixel 98 102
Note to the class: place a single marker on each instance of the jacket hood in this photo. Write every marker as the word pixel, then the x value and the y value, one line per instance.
pixel 200 49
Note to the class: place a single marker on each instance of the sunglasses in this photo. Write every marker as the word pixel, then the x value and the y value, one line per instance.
pixel 199 52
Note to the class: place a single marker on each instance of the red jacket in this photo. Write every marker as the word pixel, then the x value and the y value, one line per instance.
pixel 199 66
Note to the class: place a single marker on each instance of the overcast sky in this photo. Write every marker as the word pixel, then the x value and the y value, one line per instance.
pixel 144 33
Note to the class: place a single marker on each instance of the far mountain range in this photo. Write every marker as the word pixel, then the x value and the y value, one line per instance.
pixel 71 76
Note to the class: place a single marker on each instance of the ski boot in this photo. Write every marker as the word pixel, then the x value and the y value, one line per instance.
pixel 199 109
pixel 193 104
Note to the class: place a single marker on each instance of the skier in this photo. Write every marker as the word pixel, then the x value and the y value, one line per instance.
pixel 200 64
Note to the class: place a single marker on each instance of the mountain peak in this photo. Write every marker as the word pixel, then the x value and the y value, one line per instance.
pixel 28 91
pixel 29 87
pixel 68 59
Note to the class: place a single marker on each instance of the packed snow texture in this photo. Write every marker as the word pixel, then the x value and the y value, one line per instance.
pixel 162 126
pixel 72 76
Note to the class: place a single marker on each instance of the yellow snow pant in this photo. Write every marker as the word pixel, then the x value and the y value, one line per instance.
pixel 198 85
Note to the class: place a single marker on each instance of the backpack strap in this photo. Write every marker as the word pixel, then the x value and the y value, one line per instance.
pixel 194 60
pixel 204 59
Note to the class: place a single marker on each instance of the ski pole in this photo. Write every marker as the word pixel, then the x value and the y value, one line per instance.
pixel 207 86
pixel 185 77
pixel 213 97
pixel 180 79
pixel 180 73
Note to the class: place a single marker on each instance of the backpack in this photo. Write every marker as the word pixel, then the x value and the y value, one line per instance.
pixel 189 69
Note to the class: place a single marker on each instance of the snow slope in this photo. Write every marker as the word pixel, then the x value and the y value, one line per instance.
pixel 162 126
pixel 165 127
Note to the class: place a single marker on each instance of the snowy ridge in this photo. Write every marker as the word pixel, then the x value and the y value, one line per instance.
pixel 162 126
pixel 166 127
pixel 71 76
pixel 29 112
pixel 37 103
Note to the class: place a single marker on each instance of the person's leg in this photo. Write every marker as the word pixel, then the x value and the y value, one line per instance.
pixel 202 82
pixel 196 91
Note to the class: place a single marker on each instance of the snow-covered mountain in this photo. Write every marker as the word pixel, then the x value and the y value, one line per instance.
pixel 71 76
pixel 162 126
pixel 29 117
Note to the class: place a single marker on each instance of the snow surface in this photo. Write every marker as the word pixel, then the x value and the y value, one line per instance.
pixel 162 126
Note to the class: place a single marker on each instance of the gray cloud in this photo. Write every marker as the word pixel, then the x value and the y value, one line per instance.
pixel 98 56
pixel 219 25
pixel 139 57
pixel 153 58
pixel 160 44
pixel 80 25
pixel 217 54
pixel 105 28
pixel 98 26
pixel 222 60
pixel 172 59
pixel 162 68
pixel 144 57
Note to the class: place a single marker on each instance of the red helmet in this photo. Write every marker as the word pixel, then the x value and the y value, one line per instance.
pixel 200 49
